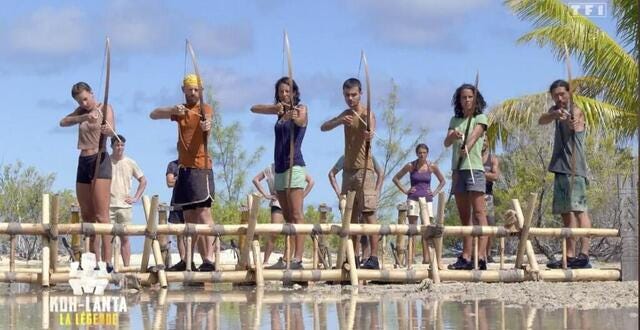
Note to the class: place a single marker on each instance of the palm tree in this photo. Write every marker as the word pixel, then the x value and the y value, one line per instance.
pixel 608 91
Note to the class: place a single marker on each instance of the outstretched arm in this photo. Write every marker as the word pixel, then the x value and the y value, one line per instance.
pixel 167 112
pixel 341 119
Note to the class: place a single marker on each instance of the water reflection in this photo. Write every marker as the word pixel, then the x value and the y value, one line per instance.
pixel 226 307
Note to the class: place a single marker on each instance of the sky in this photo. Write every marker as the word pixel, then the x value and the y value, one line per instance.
pixel 428 48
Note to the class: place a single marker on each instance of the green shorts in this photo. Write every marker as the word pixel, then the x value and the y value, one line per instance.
pixel 298 179
pixel 568 196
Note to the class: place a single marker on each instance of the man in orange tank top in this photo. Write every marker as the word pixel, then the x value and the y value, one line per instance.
pixel 194 189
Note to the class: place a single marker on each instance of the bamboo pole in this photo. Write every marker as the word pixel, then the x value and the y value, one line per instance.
pixel 531 256
pixel 400 238
pixel 257 261
pixel 157 255
pixel 244 220
pixel 189 252
pixel 216 246
pixel 315 251
pixel 475 252
pixel 524 232
pixel 12 255
pixel 426 221
pixel 501 253
pixel 435 271
pixel 261 229
pixel 322 242
pixel 163 239
pixel 253 200
pixel 53 241
pixel 564 253
pixel 75 238
pixel 346 224
pixel 45 241
pixel 437 242
pixel 115 248
pixel 148 212
pixel 351 258
pixel 384 252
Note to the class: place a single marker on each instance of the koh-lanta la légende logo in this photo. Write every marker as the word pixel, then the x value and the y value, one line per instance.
pixel 88 305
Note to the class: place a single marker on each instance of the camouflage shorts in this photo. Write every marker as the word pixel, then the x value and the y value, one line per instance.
pixel 569 194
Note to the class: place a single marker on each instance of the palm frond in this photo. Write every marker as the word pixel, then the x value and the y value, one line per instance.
pixel 626 14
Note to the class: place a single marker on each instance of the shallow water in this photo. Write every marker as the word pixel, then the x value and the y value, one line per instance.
pixel 225 307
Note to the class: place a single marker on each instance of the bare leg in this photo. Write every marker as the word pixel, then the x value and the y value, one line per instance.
pixel 182 249
pixel 570 222
pixel 464 209
pixel 584 222
pixel 276 217
pixel 201 215
pixel 101 198
pixel 479 206
pixel 125 249
pixel 83 193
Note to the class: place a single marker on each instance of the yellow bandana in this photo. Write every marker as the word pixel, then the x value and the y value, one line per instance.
pixel 190 80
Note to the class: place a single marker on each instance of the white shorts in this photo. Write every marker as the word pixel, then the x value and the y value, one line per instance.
pixel 413 209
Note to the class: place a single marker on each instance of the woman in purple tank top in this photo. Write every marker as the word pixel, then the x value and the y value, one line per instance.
pixel 290 177
pixel 420 177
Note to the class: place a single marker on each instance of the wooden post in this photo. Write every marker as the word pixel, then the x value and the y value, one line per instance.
pixel 533 263
pixel 253 200
pixel 151 212
pixel 257 261
pixel 244 219
pixel 475 252
pixel 189 252
pixel 401 239
pixel 115 248
pixel 437 242
pixel 629 259
pixel 45 241
pixel 164 241
pixel 524 232
pixel 426 220
pixel 351 258
pixel 322 241
pixel 564 253
pixel 435 271
pixel 501 253
pixel 315 251
pixel 75 238
pixel 157 255
pixel 12 256
pixel 216 246
pixel 346 224
pixel 53 242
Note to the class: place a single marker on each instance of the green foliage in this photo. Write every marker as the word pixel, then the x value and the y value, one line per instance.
pixel 232 160
pixel 394 148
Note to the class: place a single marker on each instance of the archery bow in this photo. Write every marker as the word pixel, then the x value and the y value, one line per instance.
pixel 572 116
pixel 205 135
pixel 104 111
pixel 367 147
pixel 291 108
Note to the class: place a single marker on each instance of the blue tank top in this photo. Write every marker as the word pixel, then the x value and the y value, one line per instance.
pixel 283 139
pixel 422 182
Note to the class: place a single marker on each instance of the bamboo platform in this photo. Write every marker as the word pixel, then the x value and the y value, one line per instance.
pixel 249 269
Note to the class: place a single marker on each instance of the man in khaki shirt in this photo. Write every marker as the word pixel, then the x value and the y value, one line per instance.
pixel 120 208
pixel 357 162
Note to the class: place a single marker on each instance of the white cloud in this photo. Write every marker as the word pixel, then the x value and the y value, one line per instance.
pixel 222 40
pixel 47 31
pixel 416 23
